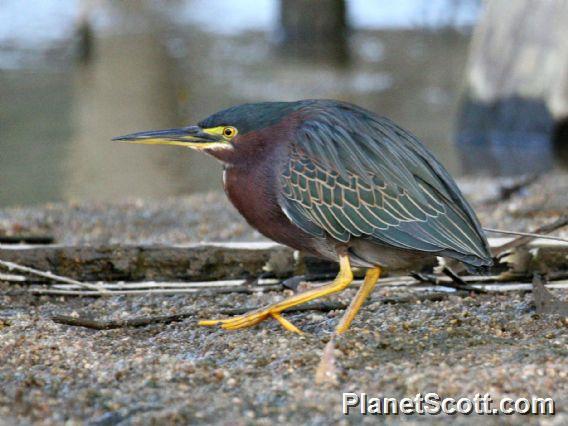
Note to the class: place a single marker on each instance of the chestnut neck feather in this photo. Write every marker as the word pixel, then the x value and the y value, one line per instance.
pixel 257 146
pixel 251 182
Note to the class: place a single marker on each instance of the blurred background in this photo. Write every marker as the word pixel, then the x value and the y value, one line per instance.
pixel 483 84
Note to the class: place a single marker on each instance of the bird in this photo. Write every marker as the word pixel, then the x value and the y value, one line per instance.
pixel 337 181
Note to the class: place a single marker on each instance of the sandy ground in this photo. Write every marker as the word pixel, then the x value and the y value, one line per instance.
pixel 182 373
pixel 210 217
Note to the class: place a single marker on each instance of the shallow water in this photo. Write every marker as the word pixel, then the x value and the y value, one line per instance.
pixel 152 67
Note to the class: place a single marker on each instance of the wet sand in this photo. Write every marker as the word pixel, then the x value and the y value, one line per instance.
pixel 182 373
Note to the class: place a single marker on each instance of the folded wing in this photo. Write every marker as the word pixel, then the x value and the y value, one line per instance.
pixel 353 174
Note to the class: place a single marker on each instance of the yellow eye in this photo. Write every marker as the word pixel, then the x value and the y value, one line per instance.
pixel 229 132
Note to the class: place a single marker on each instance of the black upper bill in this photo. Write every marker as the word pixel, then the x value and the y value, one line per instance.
pixel 183 134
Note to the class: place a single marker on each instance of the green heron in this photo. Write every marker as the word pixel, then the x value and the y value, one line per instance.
pixel 336 181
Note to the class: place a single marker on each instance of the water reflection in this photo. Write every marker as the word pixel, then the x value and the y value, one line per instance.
pixel 157 71
pixel 34 135
pixel 314 33
pixel 115 93
pixel 506 137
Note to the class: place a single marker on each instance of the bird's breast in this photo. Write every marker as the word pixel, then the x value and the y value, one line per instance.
pixel 254 193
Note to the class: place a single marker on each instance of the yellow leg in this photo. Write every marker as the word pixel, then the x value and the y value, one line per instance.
pixel 343 279
pixel 371 278
pixel 286 324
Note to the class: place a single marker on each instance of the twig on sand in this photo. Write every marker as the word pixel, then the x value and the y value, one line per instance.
pixel 509 188
pixel 27 239
pixel 525 239
pixel 166 319
pixel 527 234
pixel 12 278
pixel 323 307
pixel 326 373
pixel 431 297
pixel 544 301
pixel 197 285
pixel 112 324
pixel 333 306
pixel 470 283
pixel 11 266
pixel 201 292
pixel 456 282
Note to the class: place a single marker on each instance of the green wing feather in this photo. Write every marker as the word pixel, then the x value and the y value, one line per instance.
pixel 353 174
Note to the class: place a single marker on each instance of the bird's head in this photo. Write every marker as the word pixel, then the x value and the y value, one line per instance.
pixel 227 134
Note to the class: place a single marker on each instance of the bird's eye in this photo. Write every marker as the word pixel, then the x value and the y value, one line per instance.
pixel 229 132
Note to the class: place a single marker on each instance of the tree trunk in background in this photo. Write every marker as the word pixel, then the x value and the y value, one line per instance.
pixel 314 28
pixel 516 96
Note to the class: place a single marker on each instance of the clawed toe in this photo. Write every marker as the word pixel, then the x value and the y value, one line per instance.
pixel 250 319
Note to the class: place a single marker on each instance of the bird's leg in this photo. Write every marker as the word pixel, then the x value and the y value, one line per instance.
pixel 286 324
pixel 343 279
pixel 371 278
pixel 325 372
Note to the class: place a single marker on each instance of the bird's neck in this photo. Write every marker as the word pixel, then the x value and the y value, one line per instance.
pixel 226 156
pixel 258 146
pixel 242 156
pixel 253 192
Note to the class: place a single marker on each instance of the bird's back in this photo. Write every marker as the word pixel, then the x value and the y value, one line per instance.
pixel 352 175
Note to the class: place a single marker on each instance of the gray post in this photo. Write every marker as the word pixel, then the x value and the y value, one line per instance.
pixel 516 92
pixel 314 27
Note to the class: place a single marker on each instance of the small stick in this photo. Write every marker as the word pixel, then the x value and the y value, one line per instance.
pixel 431 297
pixel 524 239
pixel 483 280
pixel 12 278
pixel 143 285
pixel 27 239
pixel 323 307
pixel 454 281
pixel 211 289
pixel 526 234
pixel 208 292
pixel 326 372
pixel 507 190
pixel 544 301
pixel 337 306
pixel 14 266
pixel 458 283
pixel 166 319
pixel 112 324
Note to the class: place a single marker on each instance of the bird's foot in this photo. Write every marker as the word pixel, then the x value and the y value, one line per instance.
pixel 252 318
pixel 275 310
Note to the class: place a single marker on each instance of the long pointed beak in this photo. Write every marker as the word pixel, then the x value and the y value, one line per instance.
pixel 192 136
